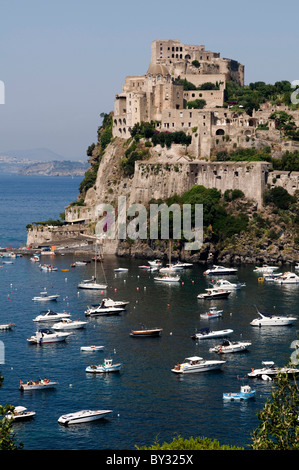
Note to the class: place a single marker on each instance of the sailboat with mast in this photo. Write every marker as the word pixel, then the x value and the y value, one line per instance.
pixel 168 274
pixel 92 283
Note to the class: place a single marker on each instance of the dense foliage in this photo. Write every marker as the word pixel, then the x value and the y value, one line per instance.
pixel 198 443
pixel 250 97
pixel 7 436
pixel 148 130
pixel 104 139
pixel 288 162
pixel 279 426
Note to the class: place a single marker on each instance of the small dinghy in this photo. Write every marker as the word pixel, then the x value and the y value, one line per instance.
pixel 106 366
pixel 83 416
pixel 146 332
pixel 91 348
pixel 245 394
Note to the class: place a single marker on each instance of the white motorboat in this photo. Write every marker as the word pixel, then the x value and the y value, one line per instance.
pixel 214 293
pixel 121 270
pixel 47 336
pixel 6 326
pixel 166 278
pixel 265 269
pixel 37 385
pixel 212 313
pixel 68 324
pixel 83 416
pixel 106 366
pixel 50 316
pixel 180 264
pixel 268 319
pixel 287 278
pixel 91 348
pixel 220 270
pixel 196 364
pixel 80 263
pixel 206 333
pixel 270 277
pixel 44 297
pixel 269 369
pixel 226 285
pixel 245 394
pixel 155 263
pixel 171 269
pixel 297 266
pixel 20 413
pixel 228 346
pixel 104 310
pixel 118 304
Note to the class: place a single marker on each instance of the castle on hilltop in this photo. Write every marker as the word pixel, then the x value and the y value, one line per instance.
pixel 159 96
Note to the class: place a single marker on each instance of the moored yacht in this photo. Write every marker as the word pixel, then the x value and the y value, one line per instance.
pixel 83 416
pixel 196 364
pixel 268 319
pixel 220 270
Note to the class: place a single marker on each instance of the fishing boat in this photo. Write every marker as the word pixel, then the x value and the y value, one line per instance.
pixel 227 346
pixel 206 333
pixel 146 332
pixel 212 313
pixel 92 284
pixel 6 326
pixel 44 297
pixel 245 394
pixel 50 316
pixel 83 416
pixel 287 278
pixel 20 413
pixel 91 348
pixel 106 366
pixel 214 293
pixel 196 364
pixel 220 270
pixel 226 285
pixel 268 319
pixel 37 385
pixel 67 324
pixel 269 369
pixel 47 336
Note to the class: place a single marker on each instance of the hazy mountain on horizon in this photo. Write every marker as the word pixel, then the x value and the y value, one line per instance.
pixel 37 155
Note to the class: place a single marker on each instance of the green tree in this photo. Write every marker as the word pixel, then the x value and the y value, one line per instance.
pixel 279 426
pixel 7 436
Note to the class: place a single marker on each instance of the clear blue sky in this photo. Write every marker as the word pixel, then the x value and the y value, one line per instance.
pixel 63 61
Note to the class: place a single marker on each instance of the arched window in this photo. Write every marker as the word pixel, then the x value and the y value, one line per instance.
pixel 220 132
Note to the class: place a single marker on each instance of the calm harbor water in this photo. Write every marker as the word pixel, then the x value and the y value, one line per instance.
pixel 149 402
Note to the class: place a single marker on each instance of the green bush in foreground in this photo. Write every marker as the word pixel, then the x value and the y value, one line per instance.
pixel 199 443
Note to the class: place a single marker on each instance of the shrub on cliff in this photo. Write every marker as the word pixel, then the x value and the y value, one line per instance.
pixel 279 197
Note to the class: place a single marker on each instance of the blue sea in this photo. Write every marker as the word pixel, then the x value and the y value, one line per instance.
pixel 149 402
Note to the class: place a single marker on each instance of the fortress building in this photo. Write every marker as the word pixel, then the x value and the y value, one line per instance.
pixel 157 96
